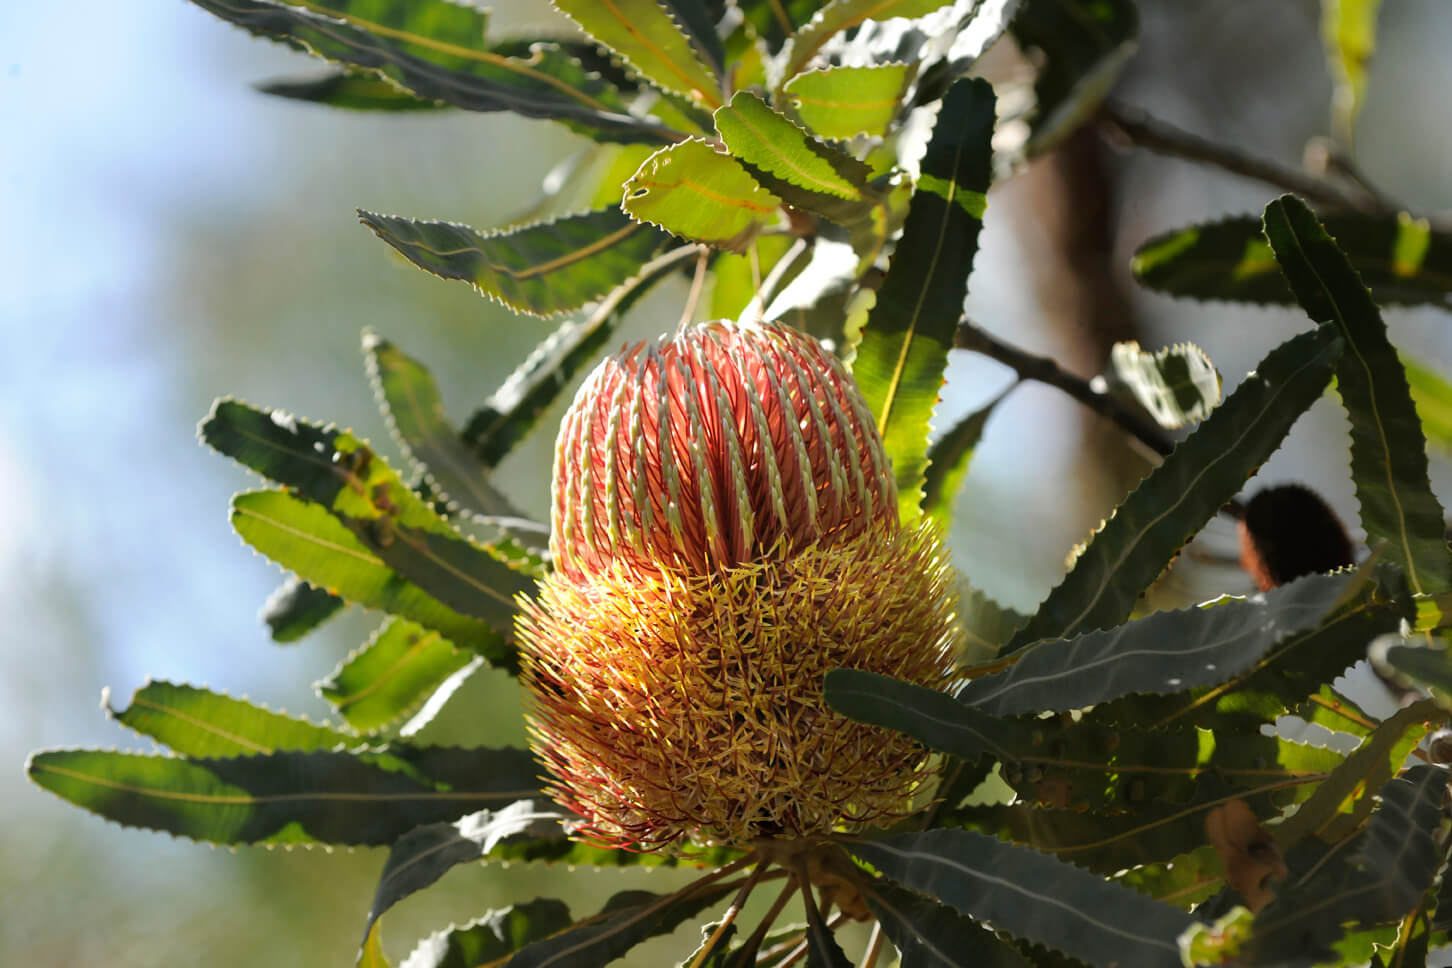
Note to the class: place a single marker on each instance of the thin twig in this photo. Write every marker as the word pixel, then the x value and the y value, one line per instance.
pixel 754 309
pixel 874 946
pixel 1042 369
pixel 753 943
pixel 731 913
pixel 688 313
pixel 1139 129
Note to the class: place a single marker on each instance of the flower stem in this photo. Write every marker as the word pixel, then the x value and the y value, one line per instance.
pixel 731 913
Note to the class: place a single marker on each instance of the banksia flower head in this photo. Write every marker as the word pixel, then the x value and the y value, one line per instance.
pixel 725 532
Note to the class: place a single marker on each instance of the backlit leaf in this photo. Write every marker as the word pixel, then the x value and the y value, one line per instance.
pixel 776 20
pixel 843 102
pixel 1348 28
pixel 390 677
pixel 1432 393
pixel 904 347
pixel 491 938
pixel 1178 385
pixel 295 608
pixel 836 16
pixel 649 39
pixel 351 90
pixel 1031 896
pixel 542 269
pixel 437 50
pixel 1147 530
pixel 361 798
pixel 948 459
pixel 1401 259
pixel 199 722
pixel 1388 450
pixel 698 193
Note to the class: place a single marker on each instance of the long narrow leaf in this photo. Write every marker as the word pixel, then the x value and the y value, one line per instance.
pixel 403 665
pixel 698 193
pixel 904 347
pixel 645 35
pixel 199 722
pixel 491 938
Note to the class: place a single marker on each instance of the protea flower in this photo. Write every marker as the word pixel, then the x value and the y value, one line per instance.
pixel 725 532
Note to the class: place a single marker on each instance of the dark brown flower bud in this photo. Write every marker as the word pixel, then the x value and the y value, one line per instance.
pixel 1289 531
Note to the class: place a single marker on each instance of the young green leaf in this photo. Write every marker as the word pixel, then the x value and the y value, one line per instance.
pixel 836 16
pixel 492 937
pixel 1203 472
pixel 437 50
pixel 1083 46
pixel 307 539
pixel 843 102
pixel 644 33
pixel 542 269
pixel 295 608
pixel 352 91
pixel 199 722
pixel 1348 28
pixel 694 191
pixel 300 798
pixel 1401 259
pixel 1178 385
pixel 1031 896
pixel 1165 652
pixel 904 347
pixel 392 675
pixel 1388 450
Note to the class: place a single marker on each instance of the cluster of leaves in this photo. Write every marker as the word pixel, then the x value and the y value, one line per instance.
pixel 1108 785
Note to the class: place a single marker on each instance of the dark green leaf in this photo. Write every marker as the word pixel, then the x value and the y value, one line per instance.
pixel 542 269
pixel 296 608
pixel 930 935
pixel 493 937
pixel 198 722
pixel 1032 896
pixel 1432 393
pixel 823 951
pixel 1164 653
pixel 517 406
pixel 627 919
pixel 843 102
pixel 437 50
pixel 1204 471
pixel 351 90
pixel 424 854
pixel 794 166
pixel 698 18
pixel 645 35
pixel 776 20
pixel 904 347
pixel 1388 451
pixel 401 666
pixel 694 191
pixel 305 538
pixel 1178 385
pixel 984 624
pixel 1395 866
pixel 360 798
pixel 1417 665
pixel 836 16
pixel 1400 258
pixel 1083 46
pixel 1348 28
pixel 948 459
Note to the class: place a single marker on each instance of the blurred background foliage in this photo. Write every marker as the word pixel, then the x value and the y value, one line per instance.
pixel 174 235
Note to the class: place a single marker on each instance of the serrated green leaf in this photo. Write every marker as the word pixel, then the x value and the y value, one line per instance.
pixel 1083 46
pixel 1178 385
pixel 302 798
pixel 843 102
pixel 1147 530
pixel 984 624
pixel 491 938
pixel 295 608
pixel 836 16
pixel 931 935
pixel 1164 653
pixel 514 409
pixel 1031 896
pixel 694 191
pixel 1184 881
pixel 627 919
pixel 1401 259
pixel 437 50
pixel 645 35
pixel 948 459
pixel 350 90
pixel 1348 29
pixel 1418 665
pixel 424 854
pixel 542 269
pixel 1388 451
pixel 306 538
pixel 1393 869
pixel 1432 393
pixel 390 677
pixel 903 350
pixel 1331 710
pixel 198 722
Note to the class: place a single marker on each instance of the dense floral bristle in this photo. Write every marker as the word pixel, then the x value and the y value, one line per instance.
pixel 687 706
pixel 713 448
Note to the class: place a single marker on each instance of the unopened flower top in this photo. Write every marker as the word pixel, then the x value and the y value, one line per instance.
pixel 725 444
